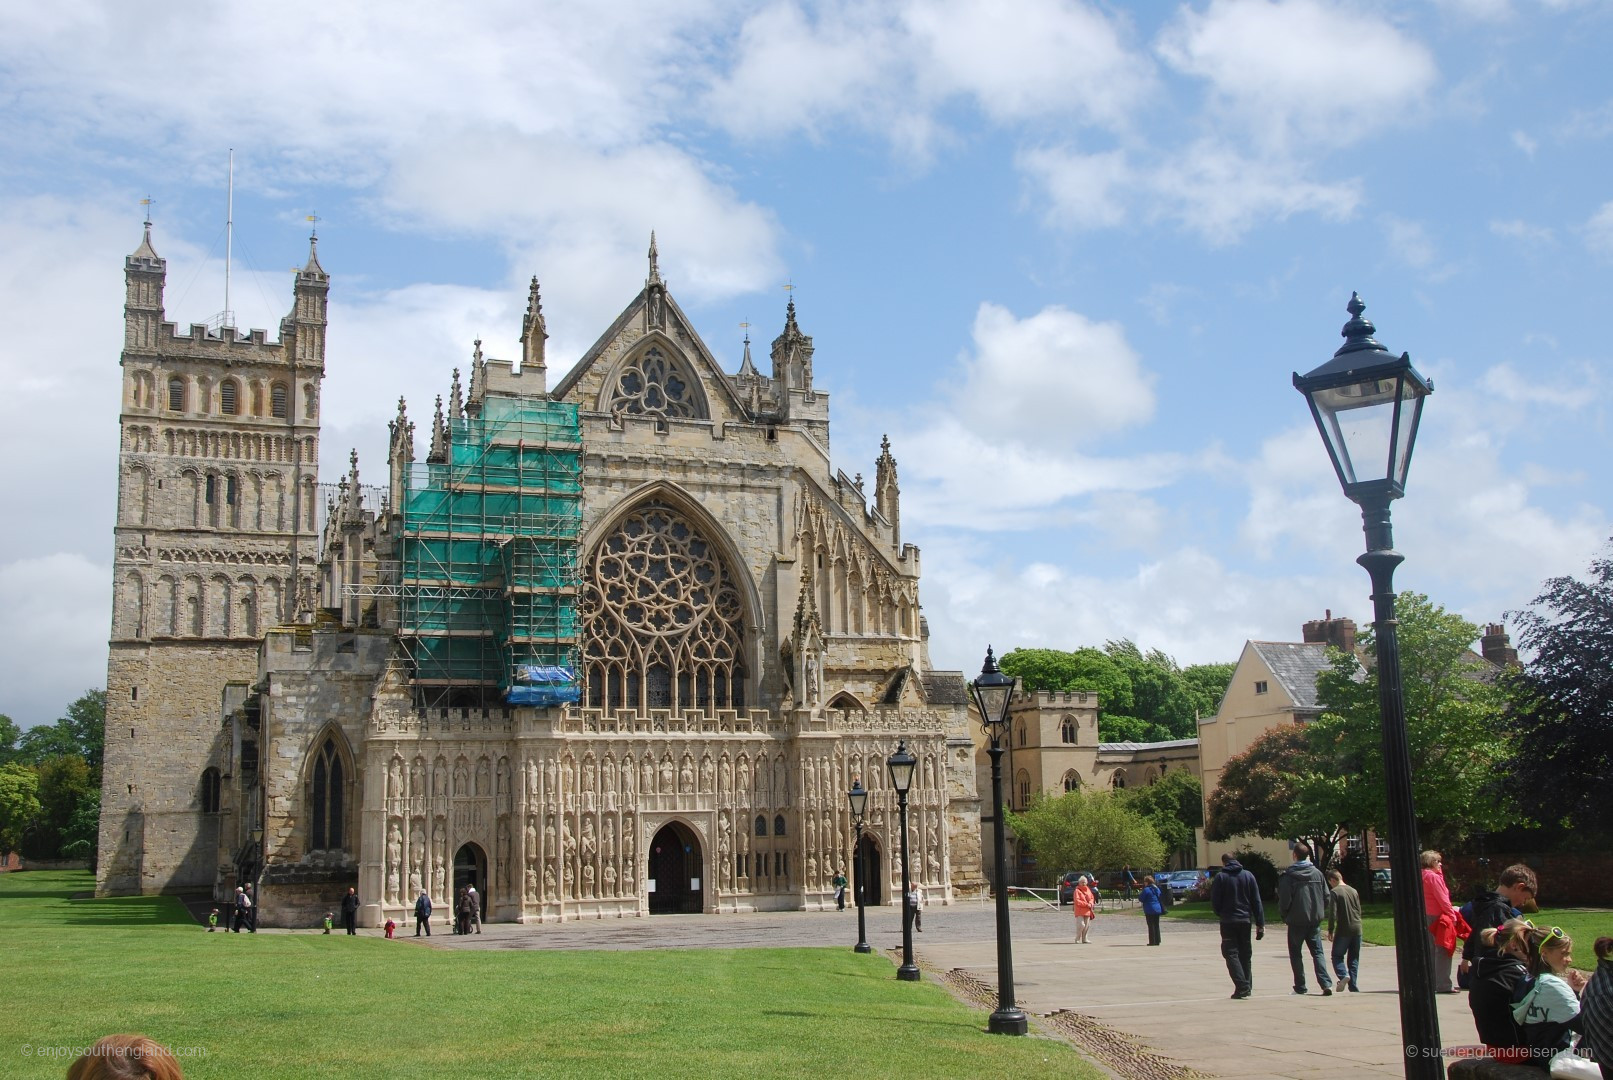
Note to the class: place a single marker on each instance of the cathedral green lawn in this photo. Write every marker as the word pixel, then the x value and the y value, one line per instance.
pixel 307 1005
pixel 1584 925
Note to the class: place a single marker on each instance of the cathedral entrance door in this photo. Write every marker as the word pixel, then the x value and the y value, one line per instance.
pixel 470 868
pixel 674 871
pixel 867 871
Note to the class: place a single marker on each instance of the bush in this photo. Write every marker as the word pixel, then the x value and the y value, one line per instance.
pixel 1264 870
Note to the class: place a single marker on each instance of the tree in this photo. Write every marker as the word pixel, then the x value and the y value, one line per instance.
pixel 64 783
pixel 1206 684
pixel 1084 669
pixel 86 723
pixel 81 836
pixel 1563 722
pixel 9 734
pixel 1455 728
pixel 1174 807
pixel 1091 829
pixel 19 804
pixel 45 741
pixel 1261 793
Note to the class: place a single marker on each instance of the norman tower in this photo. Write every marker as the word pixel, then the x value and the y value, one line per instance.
pixel 215 541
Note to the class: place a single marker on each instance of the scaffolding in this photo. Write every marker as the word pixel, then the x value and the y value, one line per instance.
pixel 489 573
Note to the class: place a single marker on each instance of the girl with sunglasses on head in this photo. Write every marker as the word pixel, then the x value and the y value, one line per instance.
pixel 1500 975
pixel 1548 1014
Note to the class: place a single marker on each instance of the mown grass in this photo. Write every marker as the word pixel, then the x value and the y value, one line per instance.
pixel 1584 925
pixel 307 1005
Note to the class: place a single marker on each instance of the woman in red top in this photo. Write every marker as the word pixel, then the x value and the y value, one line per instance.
pixel 1085 903
pixel 1436 909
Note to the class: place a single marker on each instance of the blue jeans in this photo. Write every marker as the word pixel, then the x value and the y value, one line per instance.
pixel 1347 947
pixel 1310 937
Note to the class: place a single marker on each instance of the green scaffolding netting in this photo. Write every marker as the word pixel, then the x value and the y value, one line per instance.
pixel 489 569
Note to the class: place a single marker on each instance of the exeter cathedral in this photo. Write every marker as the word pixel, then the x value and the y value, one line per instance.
pixel 612 647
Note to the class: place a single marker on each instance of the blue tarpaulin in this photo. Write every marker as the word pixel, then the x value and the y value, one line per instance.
pixel 553 694
pixel 541 673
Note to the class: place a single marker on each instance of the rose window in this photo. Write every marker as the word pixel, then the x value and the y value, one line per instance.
pixel 663 625
pixel 653 384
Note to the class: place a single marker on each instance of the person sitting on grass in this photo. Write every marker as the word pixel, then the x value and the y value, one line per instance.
pixel 126 1057
pixel 1548 1015
pixel 1596 1009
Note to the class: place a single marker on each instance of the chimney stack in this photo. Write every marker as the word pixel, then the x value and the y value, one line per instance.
pixel 1497 647
pixel 1339 633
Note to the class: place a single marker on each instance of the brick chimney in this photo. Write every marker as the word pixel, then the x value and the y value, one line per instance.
pixel 1497 647
pixel 1339 633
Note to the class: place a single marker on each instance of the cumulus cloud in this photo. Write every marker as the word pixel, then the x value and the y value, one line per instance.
pixel 1523 231
pixel 58 614
pixel 1599 231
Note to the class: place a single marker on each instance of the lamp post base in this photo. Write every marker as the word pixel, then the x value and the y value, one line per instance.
pixel 863 947
pixel 908 973
pixel 1008 1022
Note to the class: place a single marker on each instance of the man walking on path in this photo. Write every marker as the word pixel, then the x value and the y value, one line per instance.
pixel 474 907
pixel 1235 899
pixel 1344 929
pixel 422 914
pixel 350 912
pixel 1302 903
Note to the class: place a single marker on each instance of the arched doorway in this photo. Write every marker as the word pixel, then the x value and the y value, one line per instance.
pixel 866 872
pixel 470 868
pixel 674 871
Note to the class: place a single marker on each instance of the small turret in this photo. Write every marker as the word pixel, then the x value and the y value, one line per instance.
pixel 887 493
pixel 792 357
pixel 534 336
pixel 303 331
pixel 144 275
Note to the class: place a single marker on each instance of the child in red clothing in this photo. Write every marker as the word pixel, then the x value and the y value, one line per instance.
pixel 390 926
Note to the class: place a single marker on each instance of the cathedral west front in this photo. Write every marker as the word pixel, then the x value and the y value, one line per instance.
pixel 615 646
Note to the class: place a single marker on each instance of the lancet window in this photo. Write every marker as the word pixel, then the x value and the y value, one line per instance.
pixel 664 620
pixel 325 802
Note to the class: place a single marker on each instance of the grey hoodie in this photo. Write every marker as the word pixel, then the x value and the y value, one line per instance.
pixel 1302 895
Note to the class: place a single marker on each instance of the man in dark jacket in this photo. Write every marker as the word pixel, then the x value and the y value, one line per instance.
pixel 350 912
pixel 1235 899
pixel 422 914
pixel 1302 901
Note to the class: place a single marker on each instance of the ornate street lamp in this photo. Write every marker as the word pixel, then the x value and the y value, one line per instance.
pixel 901 765
pixel 1367 403
pixel 993 692
pixel 858 798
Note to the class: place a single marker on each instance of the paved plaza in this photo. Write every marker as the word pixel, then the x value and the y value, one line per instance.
pixel 1142 1012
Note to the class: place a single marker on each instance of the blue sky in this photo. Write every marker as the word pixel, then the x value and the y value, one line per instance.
pixel 1066 254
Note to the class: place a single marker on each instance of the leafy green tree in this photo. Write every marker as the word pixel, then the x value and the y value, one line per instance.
pixel 1261 793
pixel 82 834
pixel 1563 722
pixel 1113 729
pixel 1084 669
pixel 1090 829
pixel 1455 727
pixel 19 804
pixel 45 741
pixel 86 722
pixel 1174 807
pixel 9 734
pixel 64 783
pixel 1206 684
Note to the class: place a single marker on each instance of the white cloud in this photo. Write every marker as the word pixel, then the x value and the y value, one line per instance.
pixel 1292 69
pixel 1409 241
pixel 1085 191
pixel 58 614
pixel 1513 387
pixel 1599 231
pixel 1518 229
pixel 1523 142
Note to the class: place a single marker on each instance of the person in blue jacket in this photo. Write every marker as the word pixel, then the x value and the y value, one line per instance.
pixel 1235 899
pixel 1153 907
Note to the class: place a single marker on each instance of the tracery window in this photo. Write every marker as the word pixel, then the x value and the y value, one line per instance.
pixel 1072 781
pixel 654 384
pixel 663 618
pixel 1067 730
pixel 325 805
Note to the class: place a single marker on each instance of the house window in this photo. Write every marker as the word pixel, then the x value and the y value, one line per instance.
pixel 1261 687
pixel 1067 730
pixel 211 789
pixel 277 401
pixel 325 807
pixel 176 394
pixel 1352 844
pixel 1383 848
pixel 229 491
pixel 228 399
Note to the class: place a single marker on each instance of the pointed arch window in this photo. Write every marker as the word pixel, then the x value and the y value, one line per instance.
pixel 761 825
pixel 1067 731
pixel 1023 783
pixel 778 825
pixel 212 789
pixel 325 804
pixel 1072 781
pixel 655 384
pixel 1118 780
pixel 663 622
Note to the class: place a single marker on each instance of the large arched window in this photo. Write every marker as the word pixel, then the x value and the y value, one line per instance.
pixel 211 791
pixel 325 801
pixel 1118 780
pixel 1022 783
pixel 663 617
pixel 1067 731
pixel 655 384
pixel 1072 781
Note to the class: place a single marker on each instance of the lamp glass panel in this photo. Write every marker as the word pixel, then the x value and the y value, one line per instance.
pixel 991 701
pixel 1411 407
pixel 1357 420
pixel 901 770
pixel 858 797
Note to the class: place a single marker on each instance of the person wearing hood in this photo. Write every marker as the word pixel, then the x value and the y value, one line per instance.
pixel 1302 901
pixel 1235 899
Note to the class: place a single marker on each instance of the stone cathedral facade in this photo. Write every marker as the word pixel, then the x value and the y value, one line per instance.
pixel 308 689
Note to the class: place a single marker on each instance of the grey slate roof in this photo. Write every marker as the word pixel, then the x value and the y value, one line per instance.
pixel 1144 747
pixel 945 688
pixel 1295 665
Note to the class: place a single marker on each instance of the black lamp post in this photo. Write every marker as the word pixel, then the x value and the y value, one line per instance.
pixel 901 765
pixel 858 798
pixel 1367 404
pixel 993 692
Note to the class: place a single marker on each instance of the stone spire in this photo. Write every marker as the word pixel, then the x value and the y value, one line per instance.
pixel 353 504
pixel 654 292
pixel 478 382
pixel 655 263
pixel 312 267
pixel 746 368
pixel 535 331
pixel 887 493
pixel 401 447
pixel 792 356
pixel 456 396
pixel 438 454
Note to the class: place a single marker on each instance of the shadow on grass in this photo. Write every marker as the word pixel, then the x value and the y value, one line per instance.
pixel 126 911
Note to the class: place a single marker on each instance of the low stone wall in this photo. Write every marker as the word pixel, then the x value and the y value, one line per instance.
pixel 1571 879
